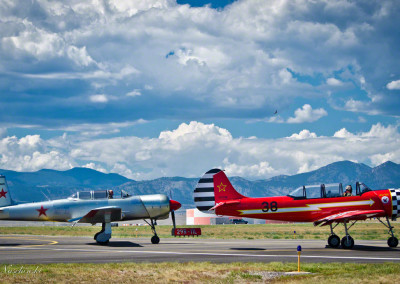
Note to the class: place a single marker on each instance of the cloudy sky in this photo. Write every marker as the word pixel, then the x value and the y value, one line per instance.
pixel 151 88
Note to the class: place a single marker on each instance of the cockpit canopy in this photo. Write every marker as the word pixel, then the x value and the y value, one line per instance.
pixel 92 194
pixel 325 191
pixel 97 194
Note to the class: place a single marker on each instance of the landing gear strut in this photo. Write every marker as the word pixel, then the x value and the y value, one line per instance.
pixel 347 241
pixel 104 236
pixel 154 239
pixel 392 241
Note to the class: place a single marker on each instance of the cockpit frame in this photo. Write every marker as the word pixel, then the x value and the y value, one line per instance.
pixel 325 191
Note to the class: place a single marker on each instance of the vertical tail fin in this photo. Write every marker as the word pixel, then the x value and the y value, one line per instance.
pixel 212 188
pixel 5 198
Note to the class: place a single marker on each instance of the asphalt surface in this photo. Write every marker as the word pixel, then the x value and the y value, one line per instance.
pixel 17 249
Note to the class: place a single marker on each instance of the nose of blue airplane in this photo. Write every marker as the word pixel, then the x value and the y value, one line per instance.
pixel 174 205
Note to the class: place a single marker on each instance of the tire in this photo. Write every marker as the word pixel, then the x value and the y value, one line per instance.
pixel 334 241
pixel 347 242
pixel 103 243
pixel 393 242
pixel 155 240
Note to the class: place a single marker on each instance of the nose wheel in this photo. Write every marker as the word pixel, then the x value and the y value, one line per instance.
pixel 154 239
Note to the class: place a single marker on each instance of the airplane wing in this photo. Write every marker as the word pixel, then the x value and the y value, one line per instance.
pixel 98 215
pixel 348 215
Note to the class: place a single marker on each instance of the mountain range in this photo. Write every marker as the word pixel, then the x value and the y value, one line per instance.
pixel 51 184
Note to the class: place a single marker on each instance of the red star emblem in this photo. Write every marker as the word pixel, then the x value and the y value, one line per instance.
pixel 3 193
pixel 221 187
pixel 42 211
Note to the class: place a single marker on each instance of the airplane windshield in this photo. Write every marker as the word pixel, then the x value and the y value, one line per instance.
pixel 363 188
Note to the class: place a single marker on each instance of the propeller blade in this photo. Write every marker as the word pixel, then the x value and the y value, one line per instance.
pixel 173 218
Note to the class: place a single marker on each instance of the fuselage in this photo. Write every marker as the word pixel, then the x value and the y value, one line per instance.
pixel 286 208
pixel 155 206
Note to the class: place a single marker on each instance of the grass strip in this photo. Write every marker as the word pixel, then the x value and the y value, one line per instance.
pixel 362 231
pixel 199 272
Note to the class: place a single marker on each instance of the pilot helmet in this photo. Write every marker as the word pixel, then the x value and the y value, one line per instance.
pixel 348 188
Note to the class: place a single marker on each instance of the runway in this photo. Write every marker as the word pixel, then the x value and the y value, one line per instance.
pixel 17 249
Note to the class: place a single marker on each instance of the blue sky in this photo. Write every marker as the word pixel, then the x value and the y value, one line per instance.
pixel 172 88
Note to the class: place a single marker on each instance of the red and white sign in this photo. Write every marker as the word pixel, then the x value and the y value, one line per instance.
pixel 186 232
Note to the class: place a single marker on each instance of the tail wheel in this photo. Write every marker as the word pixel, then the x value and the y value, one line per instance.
pixel 347 242
pixel 155 239
pixel 334 241
pixel 393 242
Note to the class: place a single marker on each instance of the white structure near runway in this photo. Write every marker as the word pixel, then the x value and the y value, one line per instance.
pixel 196 217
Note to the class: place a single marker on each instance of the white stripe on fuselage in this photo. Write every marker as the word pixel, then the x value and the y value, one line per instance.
pixel 309 207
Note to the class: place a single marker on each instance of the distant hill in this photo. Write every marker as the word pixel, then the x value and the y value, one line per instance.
pixel 35 186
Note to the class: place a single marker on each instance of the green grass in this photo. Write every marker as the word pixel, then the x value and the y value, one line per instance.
pixel 361 231
pixel 203 272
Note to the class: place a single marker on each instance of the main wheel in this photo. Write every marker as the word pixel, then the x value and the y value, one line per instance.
pixel 103 243
pixel 155 239
pixel 347 242
pixel 334 241
pixel 393 242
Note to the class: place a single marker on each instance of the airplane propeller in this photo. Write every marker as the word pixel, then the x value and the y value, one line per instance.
pixel 173 218
pixel 173 205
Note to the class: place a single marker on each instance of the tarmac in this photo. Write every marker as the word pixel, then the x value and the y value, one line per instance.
pixel 22 249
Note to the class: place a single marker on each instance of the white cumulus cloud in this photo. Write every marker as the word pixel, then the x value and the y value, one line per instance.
pixel 192 149
pixel 100 98
pixel 307 114
pixel 394 85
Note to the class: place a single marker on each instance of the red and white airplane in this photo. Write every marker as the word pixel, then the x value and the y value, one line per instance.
pixel 322 205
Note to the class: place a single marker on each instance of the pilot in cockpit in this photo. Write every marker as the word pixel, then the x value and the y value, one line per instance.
pixel 110 194
pixel 348 191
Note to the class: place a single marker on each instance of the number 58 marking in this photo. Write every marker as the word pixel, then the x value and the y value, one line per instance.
pixel 266 206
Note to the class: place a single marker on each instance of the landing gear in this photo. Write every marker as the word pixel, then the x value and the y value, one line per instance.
pixel 347 241
pixel 103 237
pixel 333 240
pixel 154 239
pixel 392 241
